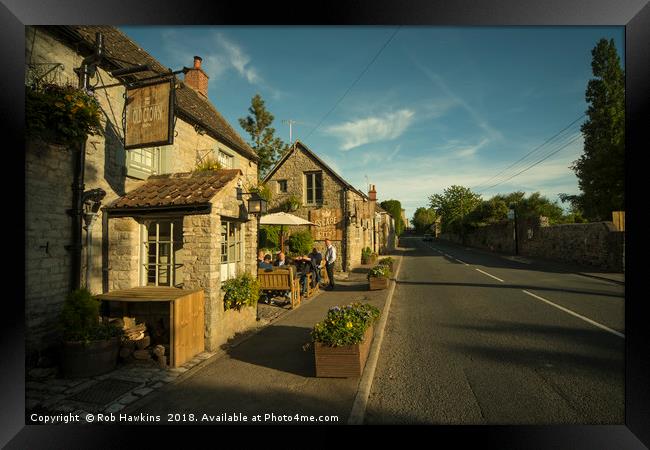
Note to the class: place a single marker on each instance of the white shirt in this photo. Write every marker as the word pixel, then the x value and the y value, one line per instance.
pixel 330 254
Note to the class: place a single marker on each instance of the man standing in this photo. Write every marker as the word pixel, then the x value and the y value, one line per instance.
pixel 330 257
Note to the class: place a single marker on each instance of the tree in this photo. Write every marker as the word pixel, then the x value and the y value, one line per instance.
pixel 600 169
pixel 454 205
pixel 394 208
pixel 258 124
pixel 423 218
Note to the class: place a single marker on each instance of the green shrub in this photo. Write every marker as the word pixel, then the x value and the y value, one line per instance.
pixel 80 319
pixel 207 164
pixel 270 237
pixel 386 262
pixel 241 291
pixel 301 242
pixel 380 270
pixel 366 253
pixel 345 325
pixel 291 204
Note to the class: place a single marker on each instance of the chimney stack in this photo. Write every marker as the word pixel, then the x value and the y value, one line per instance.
pixel 372 193
pixel 196 78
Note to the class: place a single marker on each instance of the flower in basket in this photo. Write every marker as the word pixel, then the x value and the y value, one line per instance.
pixel 380 270
pixel 345 325
pixel 386 262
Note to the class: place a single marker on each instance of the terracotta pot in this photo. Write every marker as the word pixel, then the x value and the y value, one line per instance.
pixel 345 361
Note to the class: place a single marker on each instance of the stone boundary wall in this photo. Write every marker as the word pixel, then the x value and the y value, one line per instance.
pixel 596 244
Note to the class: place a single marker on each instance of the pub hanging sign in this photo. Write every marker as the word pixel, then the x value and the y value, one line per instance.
pixel 149 115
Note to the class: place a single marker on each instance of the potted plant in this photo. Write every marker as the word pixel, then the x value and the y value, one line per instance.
pixel 240 292
pixel 378 277
pixel 367 256
pixel 342 341
pixel 90 346
pixel 388 261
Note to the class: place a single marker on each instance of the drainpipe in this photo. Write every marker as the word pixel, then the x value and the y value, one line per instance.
pixel 92 199
pixel 85 72
pixel 346 236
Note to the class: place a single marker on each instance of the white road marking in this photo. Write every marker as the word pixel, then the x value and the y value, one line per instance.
pixel 568 311
pixel 485 273
pixel 462 262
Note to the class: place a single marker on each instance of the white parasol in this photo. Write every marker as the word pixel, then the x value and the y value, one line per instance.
pixel 282 219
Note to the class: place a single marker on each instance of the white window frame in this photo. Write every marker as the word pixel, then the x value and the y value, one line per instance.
pixel 226 160
pixel 172 265
pixel 139 169
pixel 311 177
pixel 228 266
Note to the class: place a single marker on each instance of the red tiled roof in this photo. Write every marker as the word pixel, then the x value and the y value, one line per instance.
pixel 177 189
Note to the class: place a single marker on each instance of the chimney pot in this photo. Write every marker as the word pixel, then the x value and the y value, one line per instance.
pixel 197 62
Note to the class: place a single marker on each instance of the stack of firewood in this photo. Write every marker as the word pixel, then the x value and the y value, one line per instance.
pixel 136 343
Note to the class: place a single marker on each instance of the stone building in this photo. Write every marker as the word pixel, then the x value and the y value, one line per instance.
pixel 161 222
pixel 351 219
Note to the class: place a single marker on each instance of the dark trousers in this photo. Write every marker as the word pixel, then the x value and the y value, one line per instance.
pixel 330 273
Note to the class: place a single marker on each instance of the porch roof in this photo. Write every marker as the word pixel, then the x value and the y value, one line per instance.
pixel 176 189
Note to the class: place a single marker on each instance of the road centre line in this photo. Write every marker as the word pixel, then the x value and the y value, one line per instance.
pixel 485 273
pixel 568 311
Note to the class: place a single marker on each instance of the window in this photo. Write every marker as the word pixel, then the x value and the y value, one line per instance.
pixel 161 245
pixel 231 249
pixel 226 160
pixel 314 188
pixel 143 162
pixel 282 185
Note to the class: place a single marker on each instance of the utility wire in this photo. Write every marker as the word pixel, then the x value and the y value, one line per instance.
pixel 355 81
pixel 534 164
pixel 531 152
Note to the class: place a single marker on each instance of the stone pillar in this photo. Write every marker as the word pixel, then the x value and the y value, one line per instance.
pixel 123 253
pixel 201 236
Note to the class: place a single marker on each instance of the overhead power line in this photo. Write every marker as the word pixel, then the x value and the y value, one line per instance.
pixel 354 82
pixel 535 163
pixel 531 152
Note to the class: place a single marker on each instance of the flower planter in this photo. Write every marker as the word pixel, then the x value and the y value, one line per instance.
pixel 378 283
pixel 88 359
pixel 345 361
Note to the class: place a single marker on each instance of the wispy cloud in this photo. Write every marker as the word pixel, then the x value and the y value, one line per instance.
pixel 224 56
pixel 372 129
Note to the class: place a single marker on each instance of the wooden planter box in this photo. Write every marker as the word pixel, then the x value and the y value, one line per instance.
pixel 345 361
pixel 369 260
pixel 378 283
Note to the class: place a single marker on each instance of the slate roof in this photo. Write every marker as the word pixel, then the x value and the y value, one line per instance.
pixel 122 52
pixel 176 189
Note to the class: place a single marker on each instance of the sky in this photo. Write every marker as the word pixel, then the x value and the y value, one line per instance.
pixel 412 110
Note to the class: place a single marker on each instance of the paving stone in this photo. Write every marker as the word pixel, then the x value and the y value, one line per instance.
pixel 127 399
pixel 158 385
pixel 142 391
pixel 81 387
pixel 177 370
pixel 204 355
pixel 36 385
pixel 115 407
pixel 57 389
pixel 31 403
pixel 168 379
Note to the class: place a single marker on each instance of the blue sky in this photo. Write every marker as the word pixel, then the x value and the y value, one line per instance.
pixel 439 106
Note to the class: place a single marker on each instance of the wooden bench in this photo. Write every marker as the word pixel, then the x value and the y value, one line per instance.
pixel 280 280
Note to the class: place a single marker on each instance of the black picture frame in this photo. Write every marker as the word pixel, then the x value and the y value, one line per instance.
pixel 634 15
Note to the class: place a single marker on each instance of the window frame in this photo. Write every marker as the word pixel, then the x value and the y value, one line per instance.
pixel 172 266
pixel 225 156
pixel 230 267
pixel 312 177
pixel 138 169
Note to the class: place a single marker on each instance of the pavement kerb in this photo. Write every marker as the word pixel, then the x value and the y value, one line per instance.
pixel 358 412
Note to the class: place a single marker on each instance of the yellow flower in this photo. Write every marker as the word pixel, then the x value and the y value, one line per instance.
pixel 348 325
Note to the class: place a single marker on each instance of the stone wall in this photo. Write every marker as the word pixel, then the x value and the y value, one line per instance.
pixel 598 244
pixel 123 253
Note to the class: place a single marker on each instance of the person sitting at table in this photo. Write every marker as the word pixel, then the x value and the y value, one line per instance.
pixel 281 260
pixel 266 263
pixel 303 267
pixel 317 259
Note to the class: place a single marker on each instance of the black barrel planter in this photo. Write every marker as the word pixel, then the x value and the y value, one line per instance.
pixel 88 359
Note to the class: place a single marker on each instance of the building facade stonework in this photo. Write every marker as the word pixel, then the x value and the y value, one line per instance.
pixel 200 132
pixel 358 222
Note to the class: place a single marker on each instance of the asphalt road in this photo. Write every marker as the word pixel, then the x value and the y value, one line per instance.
pixel 473 338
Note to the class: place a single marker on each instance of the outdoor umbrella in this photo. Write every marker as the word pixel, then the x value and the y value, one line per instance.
pixel 283 219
